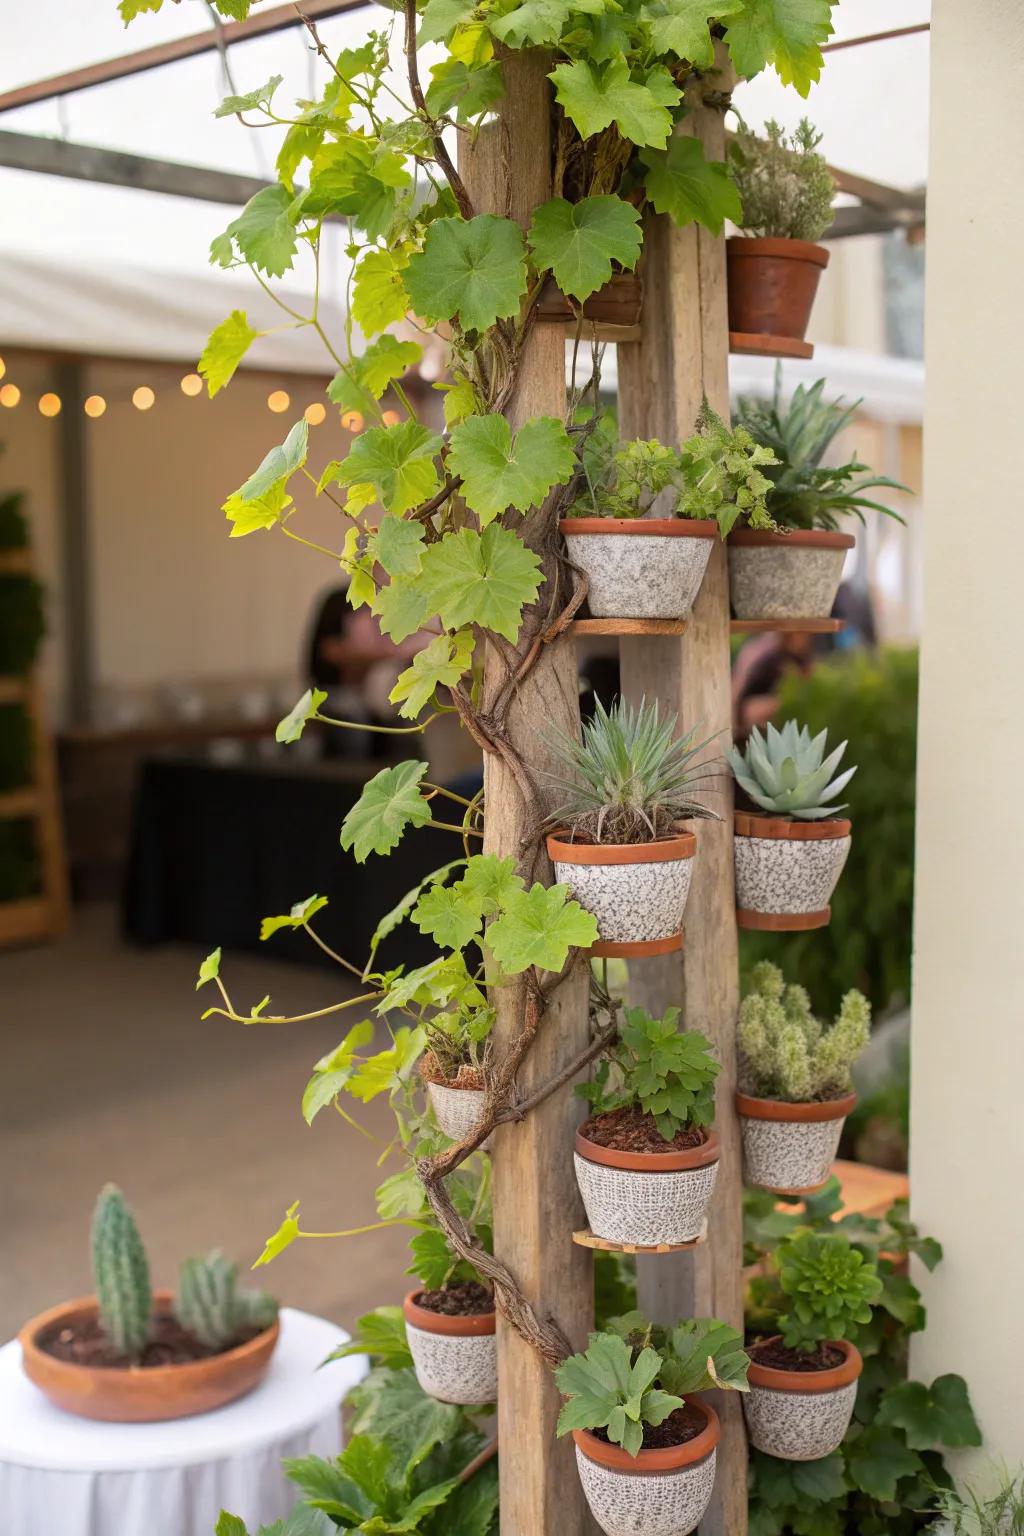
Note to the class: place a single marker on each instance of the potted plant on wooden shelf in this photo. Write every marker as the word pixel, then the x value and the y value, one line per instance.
pixel 129 1354
pixel 645 1441
pixel 646 1159
pixel 452 1067
pixel 803 1380
pixel 774 265
pixel 790 852
pixel 618 844
pixel 449 1316
pixel 796 1088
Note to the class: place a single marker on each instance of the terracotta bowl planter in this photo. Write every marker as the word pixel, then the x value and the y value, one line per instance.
pixel 660 1493
pixel 455 1358
pixel 789 1148
pixel 772 284
pixel 787 870
pixel 785 575
pixel 801 1415
pixel 637 891
pixel 640 568
pixel 141 1396
pixel 646 1198
pixel 457 1110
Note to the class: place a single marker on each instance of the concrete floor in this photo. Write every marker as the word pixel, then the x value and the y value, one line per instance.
pixel 107 1072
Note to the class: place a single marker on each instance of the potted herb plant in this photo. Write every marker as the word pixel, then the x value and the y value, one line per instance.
pixel 796 1088
pixel 645 1443
pixel 774 265
pixel 803 1380
pixel 452 1068
pixel 642 522
pixel 131 1355
pixel 618 844
pixel 790 852
pixel 646 1159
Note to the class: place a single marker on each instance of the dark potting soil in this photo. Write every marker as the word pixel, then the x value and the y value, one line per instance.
pixel 684 1424
pixel 466 1077
pixel 467 1299
pixel 628 1130
pixel 773 1353
pixel 85 1343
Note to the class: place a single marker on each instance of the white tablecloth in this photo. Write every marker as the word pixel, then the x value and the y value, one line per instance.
pixel 65 1476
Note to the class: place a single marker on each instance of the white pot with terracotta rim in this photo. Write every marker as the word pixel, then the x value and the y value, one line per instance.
pixel 790 1148
pixel 640 567
pixel 663 1492
pixel 637 891
pixel 455 1358
pixel 786 870
pixel 801 1415
pixel 458 1108
pixel 646 1198
pixel 792 575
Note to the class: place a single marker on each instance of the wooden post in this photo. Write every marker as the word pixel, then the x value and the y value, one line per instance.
pixel 681 356
pixel 536 1202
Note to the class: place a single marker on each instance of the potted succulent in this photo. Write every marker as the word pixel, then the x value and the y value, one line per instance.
pixel 803 1380
pixel 796 1088
pixel 794 571
pixel 641 525
pixel 774 265
pixel 790 852
pixel 452 1067
pixel 130 1355
pixel 646 1159
pixel 618 844
pixel 645 1444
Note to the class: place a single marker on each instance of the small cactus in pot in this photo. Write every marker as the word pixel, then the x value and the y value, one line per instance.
pixel 121 1275
pixel 210 1305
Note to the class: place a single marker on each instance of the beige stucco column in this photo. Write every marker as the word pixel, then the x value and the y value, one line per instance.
pixel 967 1110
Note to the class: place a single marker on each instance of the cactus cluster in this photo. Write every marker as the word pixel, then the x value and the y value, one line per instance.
pixel 210 1305
pixel 787 772
pixel 786 1052
pixel 121 1275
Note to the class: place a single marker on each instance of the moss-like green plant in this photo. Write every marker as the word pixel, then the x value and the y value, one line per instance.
pixel 786 1052
pixel 785 186
pixel 120 1274
pixel 210 1305
pixel 721 475
pixel 787 772
pixel 830 1287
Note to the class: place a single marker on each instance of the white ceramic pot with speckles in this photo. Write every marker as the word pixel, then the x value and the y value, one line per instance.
pixel 785 575
pixel 787 870
pixel 637 891
pixel 662 1492
pixel 801 1415
pixel 790 1148
pixel 457 1110
pixel 455 1358
pixel 640 567
pixel 646 1198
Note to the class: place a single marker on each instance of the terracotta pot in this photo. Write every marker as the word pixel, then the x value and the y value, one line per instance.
pixel 640 568
pixel 772 284
pixel 646 1198
pixel 789 1148
pixel 455 1358
pixel 661 1493
pixel 785 575
pixel 457 1110
pixel 136 1396
pixel 786 870
pixel 637 891
pixel 801 1415
pixel 619 302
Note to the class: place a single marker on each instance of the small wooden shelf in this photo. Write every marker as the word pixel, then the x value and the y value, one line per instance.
pixel 19 802
pixel 790 626
pixel 16 562
pixel 627 627
pixel 13 690
pixel 25 921
pixel 751 344
pixel 586 1239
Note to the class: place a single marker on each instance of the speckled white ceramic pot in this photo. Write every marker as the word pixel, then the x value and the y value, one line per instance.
pixel 640 568
pixel 655 1493
pixel 458 1110
pixel 637 891
pixel 785 575
pixel 787 870
pixel 801 1415
pixel 789 1148
pixel 646 1198
pixel 455 1358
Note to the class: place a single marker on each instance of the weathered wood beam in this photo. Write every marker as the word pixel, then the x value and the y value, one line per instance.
pixel 115 168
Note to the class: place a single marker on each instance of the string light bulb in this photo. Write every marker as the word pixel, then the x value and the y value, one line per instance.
pixel 279 400
pixel 315 413
pixel 191 384
pixel 49 404
pixel 391 418
pixel 352 421
pixel 10 394
pixel 3 367
pixel 94 406
pixel 143 397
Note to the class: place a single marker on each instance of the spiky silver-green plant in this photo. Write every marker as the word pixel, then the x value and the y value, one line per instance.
pixel 210 1305
pixel 786 1053
pixel 787 772
pixel 120 1274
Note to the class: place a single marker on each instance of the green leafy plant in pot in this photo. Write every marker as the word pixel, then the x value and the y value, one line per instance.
pixel 453 1067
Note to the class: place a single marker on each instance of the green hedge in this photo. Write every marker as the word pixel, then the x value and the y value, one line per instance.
pixel 15 747
pixel 19 861
pixel 13 527
pixel 22 624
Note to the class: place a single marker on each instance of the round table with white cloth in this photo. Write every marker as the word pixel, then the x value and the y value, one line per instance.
pixel 65 1476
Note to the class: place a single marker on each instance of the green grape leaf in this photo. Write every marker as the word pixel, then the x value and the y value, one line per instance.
pixel 536 21
pixel 380 1333
pixel 299 915
pixel 251 101
pixel 388 1069
pixel 298 717
pixel 490 882
pixel 579 241
pixel 379 298
pixel 681 27
pixel 129 9
pixel 402 607
pixel 397 461
pixel 441 663
pixel 445 914
pixel 389 803
pixel 264 233
pixel 209 969
pixel 333 1071
pixel 237 10
pixel 683 183
pixel 225 347
pixel 930 1416
pixel 262 512
pixel 442 981
pixel 279 464
pixel 460 400
pixel 472 269
pixel 365 379
pixel 283 1238
pixel 400 911
pixel 539 927
pixel 876 1461
pixel 786 33
pixel 441 17
pixel 470 89
pixel 499 471
pixel 399 545
pixel 595 97
pixel 480 578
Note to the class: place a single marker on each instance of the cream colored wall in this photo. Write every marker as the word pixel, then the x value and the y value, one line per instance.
pixel 967 1129
pixel 849 310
